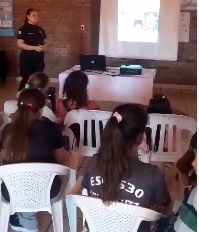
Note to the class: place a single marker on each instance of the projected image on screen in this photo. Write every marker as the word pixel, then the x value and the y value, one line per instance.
pixel 138 20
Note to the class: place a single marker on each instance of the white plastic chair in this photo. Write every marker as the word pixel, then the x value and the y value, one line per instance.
pixel 168 122
pixel 11 106
pixel 48 113
pixel 92 120
pixel 82 117
pixel 29 187
pixel 114 218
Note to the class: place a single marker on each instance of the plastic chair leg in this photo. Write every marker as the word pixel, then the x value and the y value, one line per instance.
pixel 4 216
pixel 72 216
pixel 57 215
pixel 72 179
pixel 84 193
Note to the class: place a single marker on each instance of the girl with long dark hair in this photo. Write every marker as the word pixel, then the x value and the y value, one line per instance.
pixel 29 139
pixel 115 173
pixel 75 95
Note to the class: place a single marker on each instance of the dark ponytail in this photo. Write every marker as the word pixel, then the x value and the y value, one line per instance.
pixel 119 136
pixel 16 143
pixel 28 12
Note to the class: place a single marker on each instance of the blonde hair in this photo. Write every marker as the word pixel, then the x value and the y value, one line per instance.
pixel 38 80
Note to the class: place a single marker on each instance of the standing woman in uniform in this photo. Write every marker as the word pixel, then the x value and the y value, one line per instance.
pixel 32 40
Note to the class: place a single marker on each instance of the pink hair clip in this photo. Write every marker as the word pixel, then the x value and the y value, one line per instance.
pixel 118 116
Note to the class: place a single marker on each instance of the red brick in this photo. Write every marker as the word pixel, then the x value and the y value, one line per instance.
pixel 61 20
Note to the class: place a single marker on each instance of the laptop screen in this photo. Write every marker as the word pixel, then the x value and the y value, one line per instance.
pixel 93 62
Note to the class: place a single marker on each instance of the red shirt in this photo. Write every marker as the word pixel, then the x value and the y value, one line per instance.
pixel 61 111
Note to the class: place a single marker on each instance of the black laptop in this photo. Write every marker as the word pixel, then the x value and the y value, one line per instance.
pixel 93 62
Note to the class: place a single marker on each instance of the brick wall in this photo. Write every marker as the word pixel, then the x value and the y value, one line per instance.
pixel 61 19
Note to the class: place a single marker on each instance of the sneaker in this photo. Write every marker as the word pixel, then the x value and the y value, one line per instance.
pixel 15 224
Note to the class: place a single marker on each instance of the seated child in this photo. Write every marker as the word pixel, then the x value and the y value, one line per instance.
pixel 186 218
pixel 161 105
pixel 40 81
pixel 75 95
pixel 115 174
pixel 29 139
pixel 185 168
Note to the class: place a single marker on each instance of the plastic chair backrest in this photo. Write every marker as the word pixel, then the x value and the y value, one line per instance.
pixel 11 106
pixel 170 128
pixel 48 113
pixel 116 217
pixel 29 185
pixel 90 121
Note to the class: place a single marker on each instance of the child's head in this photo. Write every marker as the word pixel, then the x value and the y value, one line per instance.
pixel 30 107
pixel 30 101
pixel 123 130
pixel 40 81
pixel 75 90
pixel 159 104
pixel 194 147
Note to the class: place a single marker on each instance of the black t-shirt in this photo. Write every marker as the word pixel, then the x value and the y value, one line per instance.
pixel 144 187
pixel 44 137
pixel 32 35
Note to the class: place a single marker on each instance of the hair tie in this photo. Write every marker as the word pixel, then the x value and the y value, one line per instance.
pixel 30 105
pixel 118 116
pixel 27 86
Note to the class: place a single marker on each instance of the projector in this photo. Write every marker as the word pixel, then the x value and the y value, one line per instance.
pixel 130 70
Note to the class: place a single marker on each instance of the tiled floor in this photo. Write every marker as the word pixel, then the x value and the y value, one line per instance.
pixel 183 100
